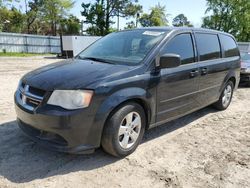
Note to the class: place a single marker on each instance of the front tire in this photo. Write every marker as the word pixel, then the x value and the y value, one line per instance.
pixel 124 130
pixel 226 96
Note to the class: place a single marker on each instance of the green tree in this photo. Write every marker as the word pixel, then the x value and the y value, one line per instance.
pixel 11 20
pixel 5 15
pixel 32 14
pixel 71 25
pixel 229 16
pixel 181 20
pixel 11 17
pixel 53 11
pixel 100 13
pixel 17 21
pixel 130 10
pixel 41 17
pixel 95 16
pixel 156 17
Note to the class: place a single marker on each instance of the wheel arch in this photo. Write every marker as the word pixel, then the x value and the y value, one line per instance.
pixel 139 101
pixel 116 100
pixel 233 79
pixel 231 76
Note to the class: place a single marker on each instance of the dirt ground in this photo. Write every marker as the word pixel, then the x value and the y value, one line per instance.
pixel 204 149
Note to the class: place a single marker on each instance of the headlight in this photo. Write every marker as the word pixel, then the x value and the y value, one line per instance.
pixel 71 99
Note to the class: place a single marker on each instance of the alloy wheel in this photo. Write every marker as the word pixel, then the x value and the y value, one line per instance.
pixel 227 95
pixel 129 130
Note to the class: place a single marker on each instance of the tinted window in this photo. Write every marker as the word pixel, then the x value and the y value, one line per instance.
pixel 229 46
pixel 182 45
pixel 208 46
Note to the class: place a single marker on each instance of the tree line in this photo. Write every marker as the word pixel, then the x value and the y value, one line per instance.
pixel 100 16
pixel 50 17
pixel 232 16
pixel 46 17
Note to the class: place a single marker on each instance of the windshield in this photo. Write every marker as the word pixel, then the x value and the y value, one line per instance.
pixel 245 56
pixel 127 47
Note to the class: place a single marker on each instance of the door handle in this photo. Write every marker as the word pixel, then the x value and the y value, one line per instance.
pixel 194 73
pixel 203 71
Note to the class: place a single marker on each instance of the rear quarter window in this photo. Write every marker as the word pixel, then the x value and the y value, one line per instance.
pixel 229 45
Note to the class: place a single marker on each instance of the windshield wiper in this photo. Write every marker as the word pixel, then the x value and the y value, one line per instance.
pixel 96 59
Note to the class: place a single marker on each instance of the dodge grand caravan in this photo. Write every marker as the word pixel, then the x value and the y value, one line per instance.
pixel 125 83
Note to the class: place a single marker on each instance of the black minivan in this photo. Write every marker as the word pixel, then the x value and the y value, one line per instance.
pixel 125 83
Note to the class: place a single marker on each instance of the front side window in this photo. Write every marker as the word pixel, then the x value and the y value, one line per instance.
pixel 127 47
pixel 229 45
pixel 208 46
pixel 181 45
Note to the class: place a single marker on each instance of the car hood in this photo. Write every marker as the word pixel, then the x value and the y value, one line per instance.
pixel 72 74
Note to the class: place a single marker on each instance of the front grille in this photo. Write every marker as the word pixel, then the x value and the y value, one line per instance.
pixel 36 91
pixel 31 97
pixel 32 102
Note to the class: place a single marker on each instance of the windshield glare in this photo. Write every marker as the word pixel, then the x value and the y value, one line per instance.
pixel 128 47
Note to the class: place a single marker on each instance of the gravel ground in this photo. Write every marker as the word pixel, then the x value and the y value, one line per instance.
pixel 204 149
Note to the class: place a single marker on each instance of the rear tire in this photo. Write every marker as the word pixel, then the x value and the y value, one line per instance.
pixel 226 96
pixel 124 130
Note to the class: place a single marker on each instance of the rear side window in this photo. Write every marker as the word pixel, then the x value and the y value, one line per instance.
pixel 229 45
pixel 182 45
pixel 208 46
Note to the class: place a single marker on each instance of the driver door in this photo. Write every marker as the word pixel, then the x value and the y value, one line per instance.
pixel 177 92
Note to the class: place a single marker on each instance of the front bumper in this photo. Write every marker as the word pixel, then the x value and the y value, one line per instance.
pixel 58 129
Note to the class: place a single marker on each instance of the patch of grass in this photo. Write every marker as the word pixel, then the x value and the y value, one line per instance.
pixel 11 54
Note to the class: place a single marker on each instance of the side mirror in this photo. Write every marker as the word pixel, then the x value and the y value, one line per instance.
pixel 170 61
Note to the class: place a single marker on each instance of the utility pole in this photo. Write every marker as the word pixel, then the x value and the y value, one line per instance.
pixel 27 19
pixel 118 21
pixel 81 22
pixel 137 19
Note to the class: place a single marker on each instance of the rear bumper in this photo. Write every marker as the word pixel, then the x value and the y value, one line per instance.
pixel 70 132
